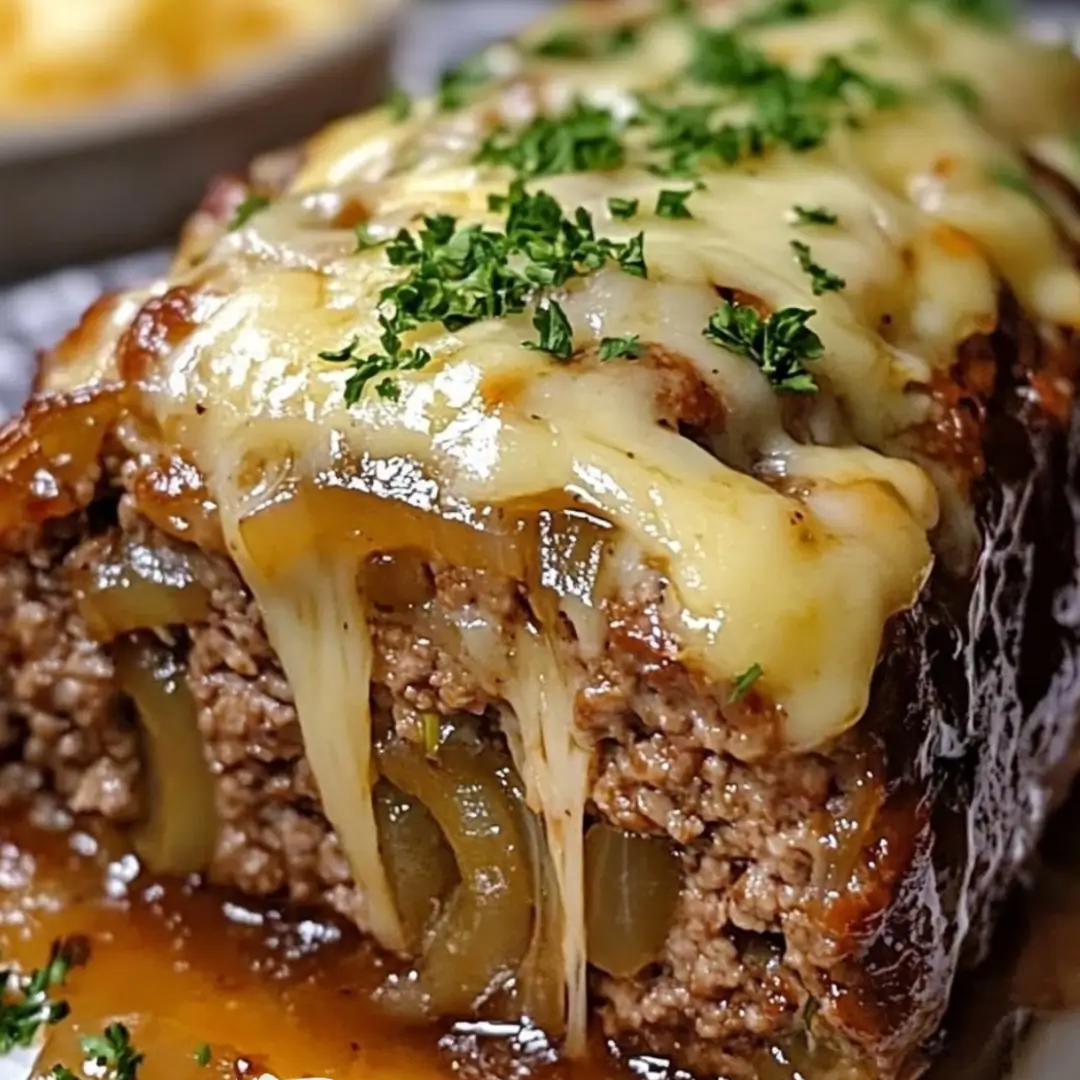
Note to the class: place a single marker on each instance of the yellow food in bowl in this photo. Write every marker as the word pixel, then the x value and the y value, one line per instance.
pixel 62 55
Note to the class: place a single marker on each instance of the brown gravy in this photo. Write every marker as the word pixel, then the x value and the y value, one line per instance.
pixel 182 967
pixel 287 994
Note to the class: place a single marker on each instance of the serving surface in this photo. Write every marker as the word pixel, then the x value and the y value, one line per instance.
pixel 654 380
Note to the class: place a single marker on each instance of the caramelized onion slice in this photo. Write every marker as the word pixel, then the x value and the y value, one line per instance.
pixel 418 861
pixel 549 543
pixel 632 885
pixel 180 829
pixel 136 586
pixel 49 454
pixel 484 929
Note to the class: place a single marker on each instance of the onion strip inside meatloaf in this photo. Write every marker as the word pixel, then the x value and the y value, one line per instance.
pixel 607 529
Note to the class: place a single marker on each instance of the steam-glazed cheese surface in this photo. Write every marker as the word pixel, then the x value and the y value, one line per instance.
pixel 804 209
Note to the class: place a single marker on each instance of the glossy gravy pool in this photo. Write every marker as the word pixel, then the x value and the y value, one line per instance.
pixel 289 996
pixel 182 967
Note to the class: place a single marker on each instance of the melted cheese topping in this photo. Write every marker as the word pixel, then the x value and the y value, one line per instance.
pixel 783 552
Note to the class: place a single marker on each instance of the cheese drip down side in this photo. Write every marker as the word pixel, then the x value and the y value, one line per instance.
pixel 555 768
pixel 316 620
pixel 785 545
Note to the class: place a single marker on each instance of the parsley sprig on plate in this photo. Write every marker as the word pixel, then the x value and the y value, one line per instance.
pixel 28 1002
pixel 108 1056
pixel 461 274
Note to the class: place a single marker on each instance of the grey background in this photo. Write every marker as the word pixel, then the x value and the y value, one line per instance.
pixel 437 33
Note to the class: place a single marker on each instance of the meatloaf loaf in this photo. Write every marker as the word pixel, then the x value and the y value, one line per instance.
pixel 608 529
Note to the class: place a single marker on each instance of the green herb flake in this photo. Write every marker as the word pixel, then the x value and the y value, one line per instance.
pixel 252 205
pixel 997 14
pixel 26 1001
pixel 628 347
pixel 962 92
pixel 672 205
pixel 399 105
pixel 202 1055
pixel 822 280
pixel 576 44
pixel 113 1053
pixel 459 85
pixel 622 209
pixel 460 275
pixel 744 683
pixel 563 44
pixel 389 389
pixel 556 334
pixel 342 355
pixel 780 345
pixel 782 11
pixel 632 257
pixel 1014 178
pixel 813 215
pixel 583 139
pixel 60 1072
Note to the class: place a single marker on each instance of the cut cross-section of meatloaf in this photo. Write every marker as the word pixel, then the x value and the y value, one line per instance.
pixel 608 530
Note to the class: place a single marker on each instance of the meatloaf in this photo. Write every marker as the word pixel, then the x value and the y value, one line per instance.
pixel 608 529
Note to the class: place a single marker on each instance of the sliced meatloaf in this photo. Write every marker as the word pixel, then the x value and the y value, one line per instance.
pixel 608 530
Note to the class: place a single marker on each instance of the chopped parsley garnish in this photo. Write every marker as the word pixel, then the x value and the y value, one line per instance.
pixel 556 333
pixel 202 1054
pixel 1015 179
pixel 583 139
pixel 573 44
pixel 962 92
pixel 252 205
pixel 388 390
pixel 784 110
pixel 744 683
pixel 399 105
pixel 112 1053
pixel 459 85
pixel 622 209
pixel 781 11
pixel 60 1072
pixel 627 347
pixel 459 275
pixel 26 1001
pixel 823 280
pixel 672 205
pixel 999 13
pixel 813 215
pixel 566 44
pixel 780 345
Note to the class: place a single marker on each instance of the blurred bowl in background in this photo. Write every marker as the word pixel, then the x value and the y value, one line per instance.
pixel 125 174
